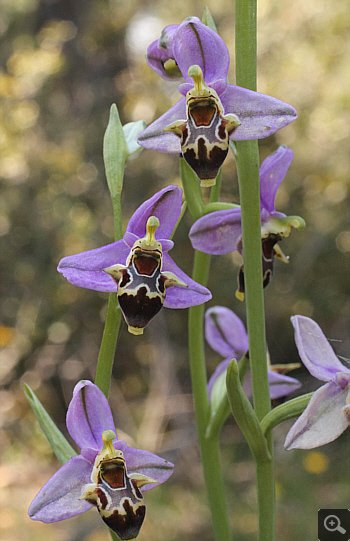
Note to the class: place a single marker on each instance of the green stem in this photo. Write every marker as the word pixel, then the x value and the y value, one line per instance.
pixel 108 345
pixel 248 176
pixel 283 412
pixel 209 448
pixel 113 318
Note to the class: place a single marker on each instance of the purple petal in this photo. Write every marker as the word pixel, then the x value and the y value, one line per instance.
pixel 281 385
pixel 315 350
pixel 196 43
pixel 218 371
pixel 183 297
pixel 154 138
pixel 59 497
pixel 322 421
pixel 225 332
pixel 260 115
pixel 86 269
pixel 218 232
pixel 165 205
pixel 89 415
pixel 146 463
pixel 272 172
pixel 161 50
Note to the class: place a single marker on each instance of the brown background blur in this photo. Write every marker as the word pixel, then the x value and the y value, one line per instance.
pixel 63 63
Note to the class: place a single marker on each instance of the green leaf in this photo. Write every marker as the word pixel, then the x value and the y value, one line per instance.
pixel 244 414
pixel 219 406
pixel 208 20
pixel 60 446
pixel 115 153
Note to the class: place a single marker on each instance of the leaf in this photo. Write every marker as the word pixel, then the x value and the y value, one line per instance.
pixel 60 446
pixel 115 153
pixel 244 414
pixel 208 20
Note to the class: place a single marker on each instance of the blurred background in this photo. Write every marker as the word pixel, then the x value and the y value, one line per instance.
pixel 63 63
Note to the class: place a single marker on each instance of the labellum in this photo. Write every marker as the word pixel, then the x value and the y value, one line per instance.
pixel 270 250
pixel 116 495
pixel 141 284
pixel 205 133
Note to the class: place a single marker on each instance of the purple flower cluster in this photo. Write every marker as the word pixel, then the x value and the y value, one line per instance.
pixel 108 474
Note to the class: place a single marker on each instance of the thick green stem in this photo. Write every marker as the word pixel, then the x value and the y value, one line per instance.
pixel 248 175
pixel 108 345
pixel 209 447
pixel 113 319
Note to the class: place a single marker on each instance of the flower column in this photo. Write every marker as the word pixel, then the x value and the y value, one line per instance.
pixel 248 176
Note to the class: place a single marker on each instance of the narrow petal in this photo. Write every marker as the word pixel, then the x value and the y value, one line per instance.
pixel 183 297
pixel 146 463
pixel 154 138
pixel 196 43
pixel 272 172
pixel 260 115
pixel 59 497
pixel 165 205
pixel 161 50
pixel 322 421
pixel 315 350
pixel 281 385
pixel 218 232
pixel 225 332
pixel 86 269
pixel 222 367
pixel 89 415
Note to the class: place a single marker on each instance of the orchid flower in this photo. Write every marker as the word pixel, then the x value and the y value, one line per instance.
pixel 221 232
pixel 328 412
pixel 226 334
pixel 138 267
pixel 107 474
pixel 211 111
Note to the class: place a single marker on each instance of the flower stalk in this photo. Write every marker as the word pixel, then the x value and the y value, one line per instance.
pixel 283 412
pixel 209 447
pixel 247 159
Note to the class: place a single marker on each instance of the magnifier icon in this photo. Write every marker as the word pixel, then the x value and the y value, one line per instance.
pixel 332 524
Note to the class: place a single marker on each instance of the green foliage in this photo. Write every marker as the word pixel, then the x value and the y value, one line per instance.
pixel 60 446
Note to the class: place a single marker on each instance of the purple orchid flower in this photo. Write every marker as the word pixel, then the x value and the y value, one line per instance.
pixel 107 474
pixel 221 232
pixel 226 334
pixel 328 412
pixel 211 111
pixel 138 267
